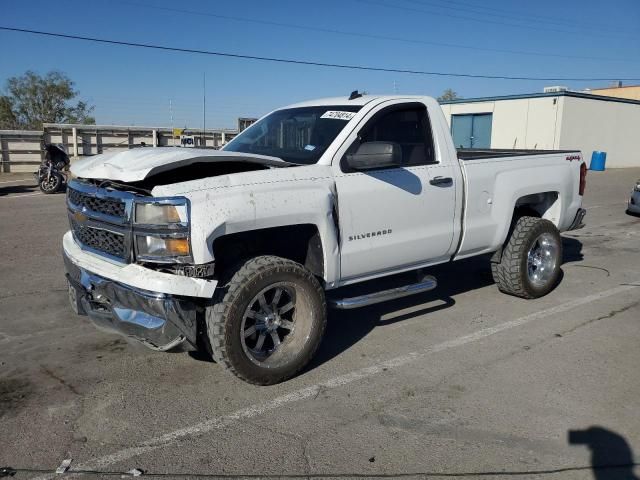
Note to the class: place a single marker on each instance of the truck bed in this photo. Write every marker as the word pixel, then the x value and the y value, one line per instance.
pixel 477 153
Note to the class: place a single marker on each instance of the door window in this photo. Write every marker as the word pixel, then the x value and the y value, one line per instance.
pixel 407 126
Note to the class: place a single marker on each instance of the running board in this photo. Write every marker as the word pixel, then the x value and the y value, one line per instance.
pixel 427 283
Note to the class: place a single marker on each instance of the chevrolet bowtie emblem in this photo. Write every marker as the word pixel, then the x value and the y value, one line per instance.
pixel 80 217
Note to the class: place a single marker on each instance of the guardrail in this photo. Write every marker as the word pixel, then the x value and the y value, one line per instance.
pixel 21 150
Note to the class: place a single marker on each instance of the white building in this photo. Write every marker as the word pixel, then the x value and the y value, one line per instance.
pixel 561 120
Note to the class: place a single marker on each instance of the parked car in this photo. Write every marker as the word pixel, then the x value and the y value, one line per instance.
pixel 241 250
pixel 634 201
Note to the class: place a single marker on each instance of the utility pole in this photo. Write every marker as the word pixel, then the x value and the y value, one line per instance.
pixel 171 117
pixel 204 110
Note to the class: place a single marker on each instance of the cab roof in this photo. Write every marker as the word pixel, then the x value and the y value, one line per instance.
pixel 363 100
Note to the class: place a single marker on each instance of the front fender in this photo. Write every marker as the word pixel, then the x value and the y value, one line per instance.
pixel 292 199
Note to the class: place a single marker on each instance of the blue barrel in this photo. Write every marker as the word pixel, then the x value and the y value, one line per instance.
pixel 598 159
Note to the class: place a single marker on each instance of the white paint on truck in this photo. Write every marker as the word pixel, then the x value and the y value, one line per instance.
pixel 424 219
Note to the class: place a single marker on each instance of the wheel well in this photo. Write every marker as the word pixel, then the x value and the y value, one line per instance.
pixel 300 243
pixel 542 205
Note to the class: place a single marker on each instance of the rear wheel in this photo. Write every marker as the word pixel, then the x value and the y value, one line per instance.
pixel 267 320
pixel 530 263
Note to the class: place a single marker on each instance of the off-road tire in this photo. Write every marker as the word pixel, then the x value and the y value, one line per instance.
pixel 231 299
pixel 510 274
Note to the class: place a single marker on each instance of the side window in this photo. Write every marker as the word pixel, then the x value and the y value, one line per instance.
pixel 408 126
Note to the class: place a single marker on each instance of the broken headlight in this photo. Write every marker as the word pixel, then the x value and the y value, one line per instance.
pixel 161 230
pixel 150 246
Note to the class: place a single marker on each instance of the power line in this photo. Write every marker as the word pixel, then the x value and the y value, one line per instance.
pixel 478 20
pixel 311 63
pixel 365 35
pixel 508 14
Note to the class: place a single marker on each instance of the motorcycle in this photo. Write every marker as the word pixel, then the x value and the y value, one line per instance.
pixel 54 169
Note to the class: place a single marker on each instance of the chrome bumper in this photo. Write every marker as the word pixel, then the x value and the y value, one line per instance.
pixel 634 203
pixel 578 221
pixel 159 321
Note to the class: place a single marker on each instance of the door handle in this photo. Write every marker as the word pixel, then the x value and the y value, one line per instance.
pixel 441 181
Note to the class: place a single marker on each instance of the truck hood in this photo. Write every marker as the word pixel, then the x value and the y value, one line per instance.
pixel 139 163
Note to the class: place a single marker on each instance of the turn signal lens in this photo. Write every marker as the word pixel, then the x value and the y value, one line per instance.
pixel 178 245
pixel 157 247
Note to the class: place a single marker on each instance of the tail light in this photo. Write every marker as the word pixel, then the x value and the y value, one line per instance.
pixel 583 178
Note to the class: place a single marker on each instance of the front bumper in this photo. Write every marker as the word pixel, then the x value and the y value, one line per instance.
pixel 161 321
pixel 634 203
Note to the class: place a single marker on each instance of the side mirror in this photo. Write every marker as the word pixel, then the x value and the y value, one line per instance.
pixel 375 155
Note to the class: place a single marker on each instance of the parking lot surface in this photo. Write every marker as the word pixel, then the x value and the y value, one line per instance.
pixel 462 380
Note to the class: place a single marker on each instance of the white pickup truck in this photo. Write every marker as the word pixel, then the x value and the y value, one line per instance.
pixel 240 250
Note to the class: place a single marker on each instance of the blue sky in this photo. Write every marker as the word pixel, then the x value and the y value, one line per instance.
pixel 134 86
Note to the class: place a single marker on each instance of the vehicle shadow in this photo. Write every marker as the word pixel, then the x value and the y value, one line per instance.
pixel 572 250
pixel 347 327
pixel 18 189
pixel 611 454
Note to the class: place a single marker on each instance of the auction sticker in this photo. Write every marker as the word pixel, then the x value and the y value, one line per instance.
pixel 337 115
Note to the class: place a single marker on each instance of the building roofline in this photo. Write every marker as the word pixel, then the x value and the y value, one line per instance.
pixel 615 88
pixel 587 96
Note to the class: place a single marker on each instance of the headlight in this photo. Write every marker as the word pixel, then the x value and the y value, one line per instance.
pixel 637 187
pixel 153 247
pixel 160 214
pixel 161 230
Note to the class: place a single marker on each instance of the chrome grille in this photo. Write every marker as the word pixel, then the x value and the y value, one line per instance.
pixel 99 239
pixel 101 219
pixel 105 206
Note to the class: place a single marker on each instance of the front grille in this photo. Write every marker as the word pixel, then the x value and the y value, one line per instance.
pixel 105 241
pixel 106 206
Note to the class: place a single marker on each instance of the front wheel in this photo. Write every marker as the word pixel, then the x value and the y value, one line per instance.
pixel 267 320
pixel 530 263
pixel 51 183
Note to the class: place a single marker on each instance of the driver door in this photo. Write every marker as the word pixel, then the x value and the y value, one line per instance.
pixel 395 217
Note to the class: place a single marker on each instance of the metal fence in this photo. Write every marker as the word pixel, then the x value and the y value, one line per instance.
pixel 21 150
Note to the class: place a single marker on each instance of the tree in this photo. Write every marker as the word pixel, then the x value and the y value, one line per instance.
pixel 31 100
pixel 448 95
pixel 7 118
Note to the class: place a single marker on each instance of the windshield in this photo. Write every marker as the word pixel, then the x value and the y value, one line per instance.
pixel 296 135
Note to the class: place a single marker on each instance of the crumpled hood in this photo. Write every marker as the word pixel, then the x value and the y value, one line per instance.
pixel 139 163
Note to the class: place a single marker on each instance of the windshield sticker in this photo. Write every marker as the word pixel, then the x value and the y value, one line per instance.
pixel 336 115
pixel 310 148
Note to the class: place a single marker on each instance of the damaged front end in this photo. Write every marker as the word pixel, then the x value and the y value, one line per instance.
pixel 127 228
pixel 159 321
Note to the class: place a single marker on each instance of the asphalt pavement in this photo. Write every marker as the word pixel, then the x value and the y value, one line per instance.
pixel 462 380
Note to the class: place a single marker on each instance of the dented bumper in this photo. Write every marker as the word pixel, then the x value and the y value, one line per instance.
pixel 159 321
pixel 158 309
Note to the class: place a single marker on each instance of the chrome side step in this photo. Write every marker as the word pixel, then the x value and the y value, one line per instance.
pixel 428 283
